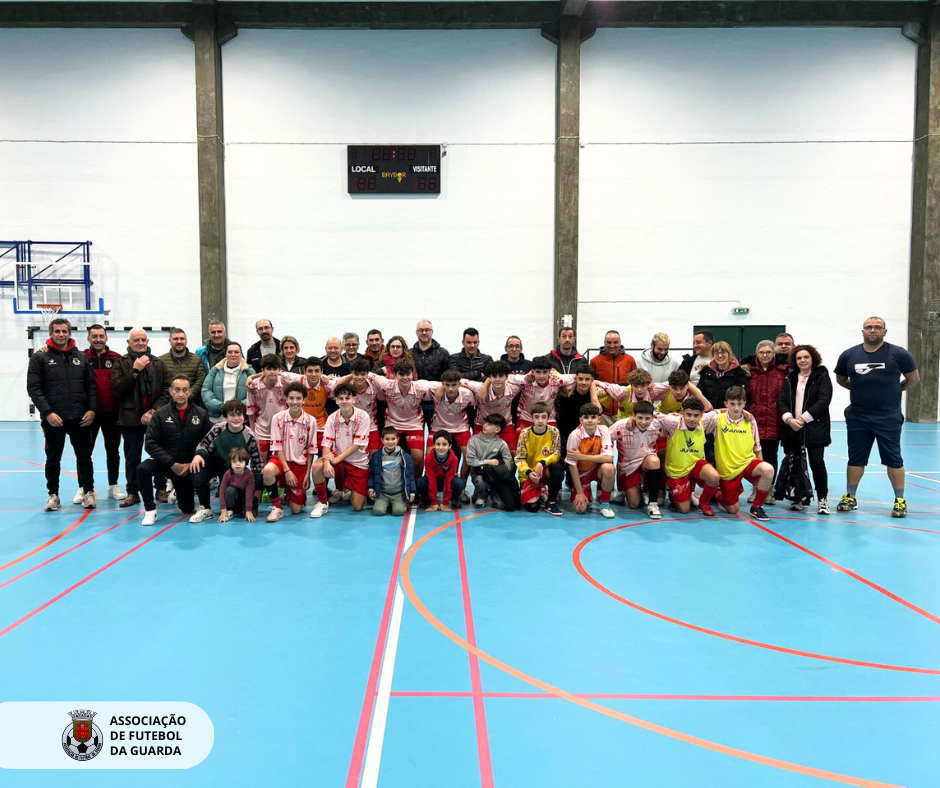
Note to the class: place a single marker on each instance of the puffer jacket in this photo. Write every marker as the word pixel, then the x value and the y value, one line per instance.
pixel 613 369
pixel 212 394
pixel 470 367
pixel 61 382
pixel 714 384
pixel 170 440
pixel 430 363
pixel 763 390
pixel 190 365
pixel 102 366
pixel 561 363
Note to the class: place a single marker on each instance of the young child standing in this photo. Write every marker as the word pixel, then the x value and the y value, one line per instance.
pixel 391 476
pixel 237 488
pixel 440 472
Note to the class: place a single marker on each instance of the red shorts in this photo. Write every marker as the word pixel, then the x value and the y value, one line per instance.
pixel 681 489
pixel 460 438
pixel 593 475
pixel 264 446
pixel 628 481
pixel 375 441
pixel 511 437
pixel 413 439
pixel 532 492
pixel 349 477
pixel 661 443
pixel 731 489
pixel 319 441
pixel 297 494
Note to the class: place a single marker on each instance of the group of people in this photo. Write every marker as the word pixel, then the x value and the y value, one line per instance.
pixel 396 425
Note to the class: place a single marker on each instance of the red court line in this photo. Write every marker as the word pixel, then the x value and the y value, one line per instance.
pixel 854 575
pixel 479 709
pixel 576 557
pixel 45 544
pixel 84 580
pixel 66 552
pixel 628 696
pixel 607 711
pixel 354 775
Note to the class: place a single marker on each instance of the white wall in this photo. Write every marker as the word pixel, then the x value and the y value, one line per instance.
pixel 815 236
pixel 317 261
pixel 137 203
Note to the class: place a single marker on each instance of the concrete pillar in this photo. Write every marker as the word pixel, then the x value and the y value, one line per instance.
pixel 211 161
pixel 924 294
pixel 567 153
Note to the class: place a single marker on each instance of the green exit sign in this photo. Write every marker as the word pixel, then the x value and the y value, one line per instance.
pixel 741 310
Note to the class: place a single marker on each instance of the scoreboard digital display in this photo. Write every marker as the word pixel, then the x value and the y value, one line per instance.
pixel 393 169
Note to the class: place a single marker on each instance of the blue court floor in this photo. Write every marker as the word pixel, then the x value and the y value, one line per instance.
pixel 492 649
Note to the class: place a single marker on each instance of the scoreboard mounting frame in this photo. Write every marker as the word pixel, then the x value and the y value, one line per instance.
pixel 393 169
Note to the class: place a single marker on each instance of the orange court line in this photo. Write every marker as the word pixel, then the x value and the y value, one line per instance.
pixel 600 709
pixel 53 540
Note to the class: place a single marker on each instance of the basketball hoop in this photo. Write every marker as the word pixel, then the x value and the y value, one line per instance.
pixel 48 310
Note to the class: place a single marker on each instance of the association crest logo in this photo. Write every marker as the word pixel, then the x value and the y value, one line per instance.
pixel 82 740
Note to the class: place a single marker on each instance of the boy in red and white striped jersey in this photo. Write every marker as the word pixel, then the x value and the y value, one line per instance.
pixel 367 395
pixel 591 452
pixel 636 440
pixel 345 452
pixel 404 395
pixel 540 384
pixel 450 414
pixel 495 396
pixel 267 398
pixel 293 439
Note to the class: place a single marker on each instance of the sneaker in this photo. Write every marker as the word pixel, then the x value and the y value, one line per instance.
pixel 319 509
pixel 752 496
pixel 606 511
pixel 796 506
pixel 213 482
pixel 758 513
pixel 553 509
pixel 707 510
pixel 479 503
pixel 823 507
pixel 653 511
pixel 619 498
pixel 131 499
pixel 336 497
pixel 150 517
pixel 847 503
pixel 52 503
pixel 276 513
pixel 79 496
pixel 201 513
pixel 171 497
pixel 464 498
pixel 89 500
pixel 695 499
pixel 115 492
pixel 900 508
pixel 347 496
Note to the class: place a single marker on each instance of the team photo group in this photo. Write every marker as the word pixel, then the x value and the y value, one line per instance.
pixel 396 423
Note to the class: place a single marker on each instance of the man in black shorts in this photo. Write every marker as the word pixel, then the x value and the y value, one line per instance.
pixel 875 373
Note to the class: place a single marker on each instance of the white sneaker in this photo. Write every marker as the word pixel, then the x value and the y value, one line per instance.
pixel 336 496
pixel 171 497
pixel 646 497
pixel 479 503
pixel 52 503
pixel 150 518
pixel 347 496
pixel 618 497
pixel 653 511
pixel 115 492
pixel 796 506
pixel 79 496
pixel 606 511
pixel 823 506
pixel 319 509
pixel 695 500
pixel 201 513
pixel 90 500
pixel 276 513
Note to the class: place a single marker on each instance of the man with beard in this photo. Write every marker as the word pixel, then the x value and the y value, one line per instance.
pixel 612 365
pixel 565 353
pixel 267 344
pixel 180 361
pixel 140 381
pixel 656 359
pixel 695 362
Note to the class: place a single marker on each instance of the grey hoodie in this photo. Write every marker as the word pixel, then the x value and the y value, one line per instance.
pixel 660 370
pixel 480 449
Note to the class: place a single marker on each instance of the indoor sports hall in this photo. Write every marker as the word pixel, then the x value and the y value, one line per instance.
pixel 739 170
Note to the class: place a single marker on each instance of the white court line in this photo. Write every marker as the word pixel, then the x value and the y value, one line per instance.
pixel 370 773
pixel 915 474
